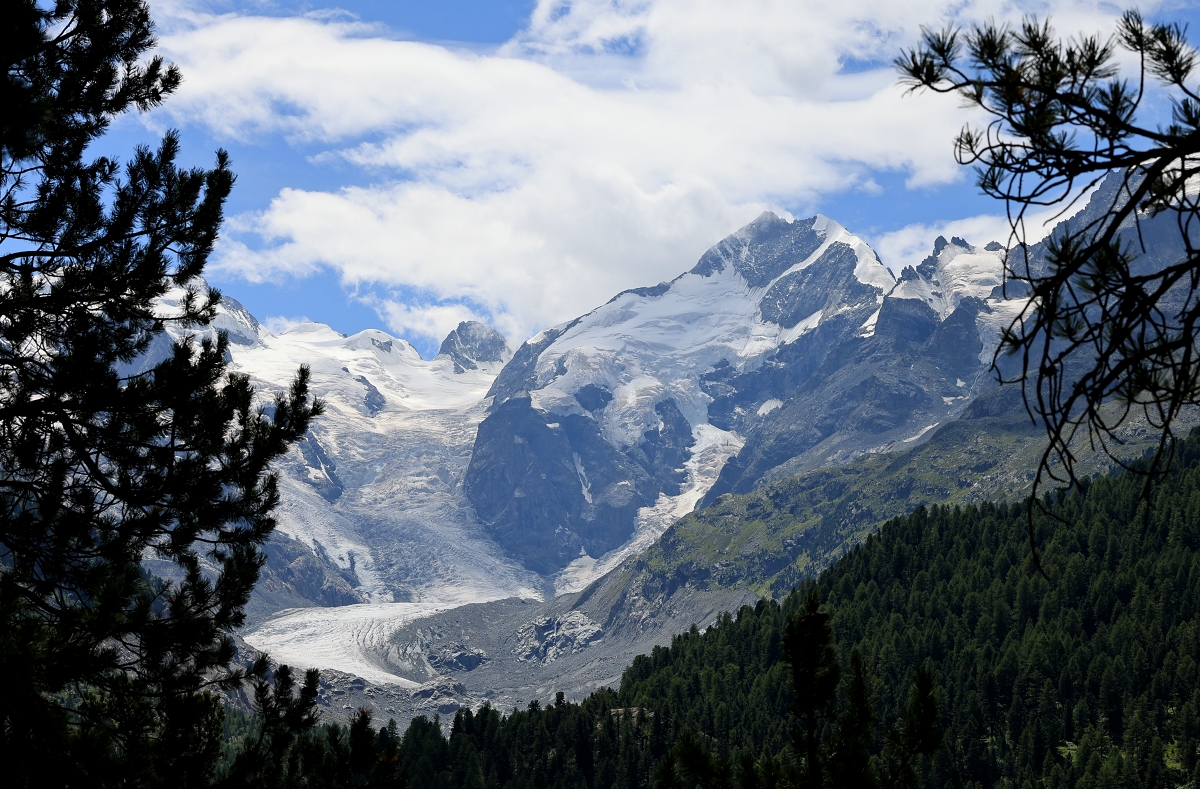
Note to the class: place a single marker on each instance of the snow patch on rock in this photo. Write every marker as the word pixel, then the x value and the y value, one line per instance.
pixel 769 406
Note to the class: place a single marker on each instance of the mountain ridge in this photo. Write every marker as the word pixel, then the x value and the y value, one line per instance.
pixel 407 491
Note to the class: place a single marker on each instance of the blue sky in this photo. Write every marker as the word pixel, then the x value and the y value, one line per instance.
pixel 405 165
pixel 264 165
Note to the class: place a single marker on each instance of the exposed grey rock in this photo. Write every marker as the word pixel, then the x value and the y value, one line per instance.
pixel 763 250
pixel 549 637
pixel 549 487
pixel 905 322
pixel 374 399
pixel 826 283
pixel 508 653
pixel 842 392
pixel 322 471
pixel 297 575
pixel 235 320
pixel 858 393
pixel 593 397
pixel 665 449
pixel 473 343
pixel 520 373
pixel 457 658
pixel 653 290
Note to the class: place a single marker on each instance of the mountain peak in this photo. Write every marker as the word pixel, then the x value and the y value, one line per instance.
pixel 474 343
pixel 763 249
pixel 954 271
pixel 766 218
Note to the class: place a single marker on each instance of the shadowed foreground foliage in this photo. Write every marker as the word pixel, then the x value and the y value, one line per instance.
pixel 118 445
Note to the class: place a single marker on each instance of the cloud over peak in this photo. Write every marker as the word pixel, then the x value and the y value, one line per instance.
pixel 605 146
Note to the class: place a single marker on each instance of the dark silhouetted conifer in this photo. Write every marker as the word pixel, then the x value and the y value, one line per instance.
pixel 850 762
pixel 809 647
pixel 101 467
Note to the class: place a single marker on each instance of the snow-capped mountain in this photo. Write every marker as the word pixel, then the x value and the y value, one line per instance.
pixel 448 527
pixel 373 483
pixel 484 474
pixel 955 271
pixel 788 345
pixel 842 391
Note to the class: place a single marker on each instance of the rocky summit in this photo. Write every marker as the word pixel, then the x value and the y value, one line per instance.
pixel 474 343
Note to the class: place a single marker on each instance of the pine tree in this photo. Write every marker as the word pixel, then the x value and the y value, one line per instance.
pixel 850 763
pixel 917 736
pixel 273 757
pixel 1106 319
pixel 107 668
pixel 809 647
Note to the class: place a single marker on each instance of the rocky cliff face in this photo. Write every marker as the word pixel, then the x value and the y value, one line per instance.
pixel 474 344
pixel 528 483
pixel 849 388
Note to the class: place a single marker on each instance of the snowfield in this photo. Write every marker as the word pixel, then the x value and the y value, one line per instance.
pixel 644 346
pixel 377 492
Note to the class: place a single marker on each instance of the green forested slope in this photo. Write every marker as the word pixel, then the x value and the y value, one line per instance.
pixel 1090 675
pixel 774 538
pixel 1087 679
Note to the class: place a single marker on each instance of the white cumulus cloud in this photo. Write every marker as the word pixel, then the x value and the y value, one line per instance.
pixel 606 146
